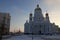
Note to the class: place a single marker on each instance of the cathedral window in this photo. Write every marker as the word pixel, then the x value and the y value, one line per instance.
pixel 40 25
pixel 39 18
pixel 30 18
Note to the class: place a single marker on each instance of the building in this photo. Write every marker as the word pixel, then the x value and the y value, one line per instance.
pixel 38 24
pixel 5 23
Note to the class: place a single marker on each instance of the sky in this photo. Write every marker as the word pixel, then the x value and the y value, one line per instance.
pixel 20 10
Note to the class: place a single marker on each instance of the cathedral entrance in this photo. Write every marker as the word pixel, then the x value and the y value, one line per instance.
pixel 40 32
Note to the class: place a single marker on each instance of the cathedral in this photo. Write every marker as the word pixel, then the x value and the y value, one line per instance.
pixel 38 24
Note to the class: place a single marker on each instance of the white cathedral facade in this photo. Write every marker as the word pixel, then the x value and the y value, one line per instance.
pixel 40 24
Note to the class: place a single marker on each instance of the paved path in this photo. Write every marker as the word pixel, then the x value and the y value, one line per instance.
pixel 25 37
pixel 35 37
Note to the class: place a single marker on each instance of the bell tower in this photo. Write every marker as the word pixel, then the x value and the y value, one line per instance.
pixel 30 18
pixel 47 17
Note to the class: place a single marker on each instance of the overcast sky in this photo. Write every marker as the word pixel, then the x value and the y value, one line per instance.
pixel 20 10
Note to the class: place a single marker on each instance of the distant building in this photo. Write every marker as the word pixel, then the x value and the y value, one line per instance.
pixel 59 30
pixel 39 24
pixel 5 22
pixel 26 27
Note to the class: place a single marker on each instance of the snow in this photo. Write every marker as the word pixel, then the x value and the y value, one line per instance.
pixel 25 37
pixel 35 37
pixel 50 37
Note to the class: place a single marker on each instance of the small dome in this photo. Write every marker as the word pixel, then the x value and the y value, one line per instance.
pixel 30 14
pixel 37 5
pixel 46 14
pixel 38 8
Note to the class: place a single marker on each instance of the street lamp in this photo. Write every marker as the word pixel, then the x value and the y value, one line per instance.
pixel 32 33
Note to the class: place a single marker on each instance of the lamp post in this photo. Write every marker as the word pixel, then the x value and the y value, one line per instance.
pixel 32 33
pixel 32 36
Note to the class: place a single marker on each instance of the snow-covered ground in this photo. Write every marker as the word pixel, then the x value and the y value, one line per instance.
pixel 54 37
pixel 25 37
pixel 35 37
